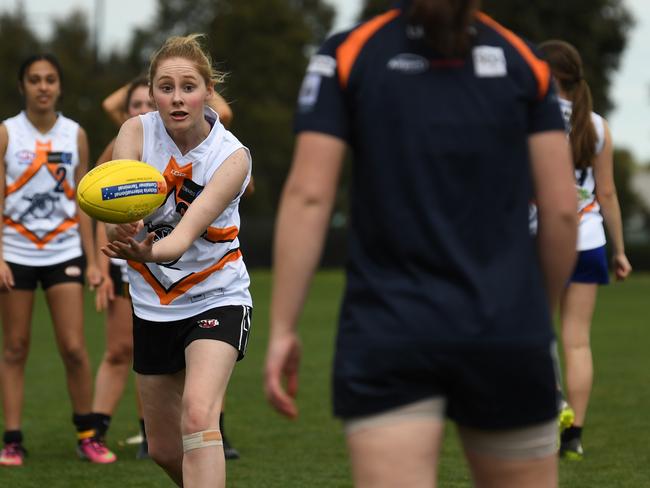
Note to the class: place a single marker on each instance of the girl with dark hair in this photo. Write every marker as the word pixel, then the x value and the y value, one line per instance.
pixel 453 123
pixel 46 240
pixel 591 145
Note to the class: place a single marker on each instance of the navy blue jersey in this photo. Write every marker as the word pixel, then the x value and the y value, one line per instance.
pixel 439 249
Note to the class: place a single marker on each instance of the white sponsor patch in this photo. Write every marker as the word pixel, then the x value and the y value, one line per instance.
pixel 409 63
pixel 309 91
pixel 322 65
pixel 72 271
pixel 489 62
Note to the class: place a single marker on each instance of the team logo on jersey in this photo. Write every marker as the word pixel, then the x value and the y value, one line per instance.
pixel 408 63
pixel 309 91
pixel 489 62
pixel 41 206
pixel 25 157
pixel 160 232
pixel 208 323
pixel 322 65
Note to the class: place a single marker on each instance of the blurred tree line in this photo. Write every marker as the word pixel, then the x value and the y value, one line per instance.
pixel 263 46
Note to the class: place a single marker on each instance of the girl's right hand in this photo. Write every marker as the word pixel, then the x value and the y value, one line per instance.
pixel 122 232
pixel 622 267
pixel 104 293
pixel 6 277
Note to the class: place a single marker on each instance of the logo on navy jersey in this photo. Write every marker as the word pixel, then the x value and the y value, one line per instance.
pixel 322 65
pixel 408 63
pixel 489 62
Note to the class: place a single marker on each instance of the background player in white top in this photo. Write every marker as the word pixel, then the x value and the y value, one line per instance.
pixel 591 144
pixel 112 295
pixel 182 391
pixel 44 155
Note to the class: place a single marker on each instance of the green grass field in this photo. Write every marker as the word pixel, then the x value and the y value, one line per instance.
pixel 310 452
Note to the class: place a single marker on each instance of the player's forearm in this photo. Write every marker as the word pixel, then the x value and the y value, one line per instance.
pixel 299 238
pixel 611 211
pixel 87 240
pixel 556 240
pixel 102 261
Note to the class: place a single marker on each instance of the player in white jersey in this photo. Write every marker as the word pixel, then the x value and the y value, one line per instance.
pixel 188 282
pixel 597 202
pixel 43 239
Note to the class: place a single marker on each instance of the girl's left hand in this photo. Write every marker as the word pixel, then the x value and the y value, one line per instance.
pixel 93 276
pixel 622 267
pixel 132 250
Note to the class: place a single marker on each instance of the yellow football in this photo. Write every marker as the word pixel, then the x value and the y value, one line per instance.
pixel 121 191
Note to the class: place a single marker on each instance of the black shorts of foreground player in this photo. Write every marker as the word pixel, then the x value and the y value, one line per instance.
pixel 454 126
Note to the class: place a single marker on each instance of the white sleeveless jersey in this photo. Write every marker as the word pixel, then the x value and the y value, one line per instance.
pixel 211 273
pixel 591 233
pixel 40 214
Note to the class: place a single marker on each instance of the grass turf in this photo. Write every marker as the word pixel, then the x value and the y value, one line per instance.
pixel 311 451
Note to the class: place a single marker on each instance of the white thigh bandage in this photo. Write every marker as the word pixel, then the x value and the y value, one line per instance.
pixel 202 439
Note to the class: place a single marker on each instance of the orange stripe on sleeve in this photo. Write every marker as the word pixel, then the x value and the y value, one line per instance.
pixel 348 51
pixel 540 69
pixel 182 286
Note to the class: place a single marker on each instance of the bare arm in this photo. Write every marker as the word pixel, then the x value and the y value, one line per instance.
pixel 609 206
pixel 85 223
pixel 115 105
pixel 224 185
pixel 300 231
pixel 557 205
pixel 6 276
pixel 219 105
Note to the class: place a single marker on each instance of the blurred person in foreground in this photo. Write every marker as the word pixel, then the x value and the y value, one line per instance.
pixel 453 124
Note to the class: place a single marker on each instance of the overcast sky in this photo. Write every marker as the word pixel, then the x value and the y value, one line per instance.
pixel 630 122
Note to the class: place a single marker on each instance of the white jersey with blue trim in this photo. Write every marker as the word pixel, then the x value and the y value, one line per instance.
pixel 591 233
pixel 40 213
pixel 211 273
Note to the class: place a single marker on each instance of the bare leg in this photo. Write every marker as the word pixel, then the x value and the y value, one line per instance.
pixel 209 366
pixel 114 369
pixel 65 301
pixel 577 310
pixel 495 472
pixel 16 309
pixel 404 453
pixel 161 402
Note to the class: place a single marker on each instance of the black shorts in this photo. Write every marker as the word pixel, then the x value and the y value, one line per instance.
pixel 159 347
pixel 27 277
pixel 120 288
pixel 484 388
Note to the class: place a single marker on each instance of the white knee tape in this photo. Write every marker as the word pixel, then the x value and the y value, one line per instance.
pixel 205 438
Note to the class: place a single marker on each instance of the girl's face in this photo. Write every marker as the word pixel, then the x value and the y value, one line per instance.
pixel 180 93
pixel 140 102
pixel 41 86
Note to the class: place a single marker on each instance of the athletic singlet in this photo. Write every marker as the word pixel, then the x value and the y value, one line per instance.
pixel 40 213
pixel 591 233
pixel 211 273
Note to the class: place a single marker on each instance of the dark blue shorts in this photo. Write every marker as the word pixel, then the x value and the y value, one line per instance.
pixel 485 388
pixel 591 267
